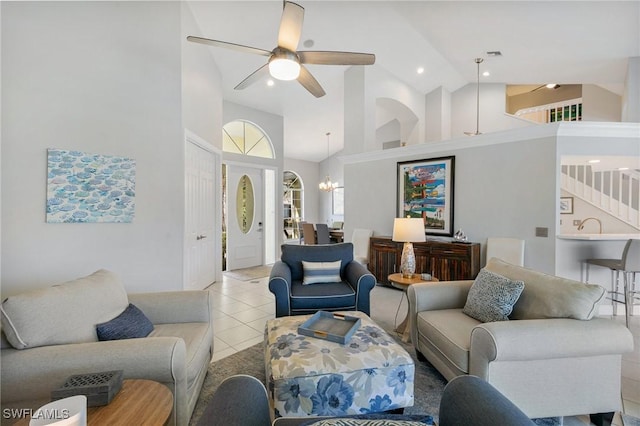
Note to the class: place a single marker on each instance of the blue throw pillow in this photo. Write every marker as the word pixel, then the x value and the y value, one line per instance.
pixel 130 324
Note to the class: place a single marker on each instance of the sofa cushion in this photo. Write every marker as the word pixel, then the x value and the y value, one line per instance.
pixel 449 331
pixel 130 324
pixel 325 296
pixel 41 317
pixel 321 272
pixel 491 297
pixel 547 296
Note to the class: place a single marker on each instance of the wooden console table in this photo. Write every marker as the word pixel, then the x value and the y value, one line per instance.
pixel 444 260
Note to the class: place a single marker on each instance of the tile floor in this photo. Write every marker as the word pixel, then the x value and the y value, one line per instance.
pixel 243 307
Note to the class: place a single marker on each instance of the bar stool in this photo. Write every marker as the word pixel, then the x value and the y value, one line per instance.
pixel 628 265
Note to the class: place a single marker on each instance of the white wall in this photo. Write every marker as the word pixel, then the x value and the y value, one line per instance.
pixel 333 167
pixel 438 115
pixel 599 104
pixel 493 117
pixel 201 86
pixel 631 94
pixel 100 77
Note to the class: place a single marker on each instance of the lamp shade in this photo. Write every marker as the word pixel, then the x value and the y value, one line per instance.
pixel 410 229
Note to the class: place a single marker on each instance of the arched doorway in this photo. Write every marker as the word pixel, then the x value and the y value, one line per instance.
pixel 243 224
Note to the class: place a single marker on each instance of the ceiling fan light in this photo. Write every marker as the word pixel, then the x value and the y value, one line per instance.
pixel 284 68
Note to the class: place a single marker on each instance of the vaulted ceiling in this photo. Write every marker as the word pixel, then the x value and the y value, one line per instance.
pixel 580 42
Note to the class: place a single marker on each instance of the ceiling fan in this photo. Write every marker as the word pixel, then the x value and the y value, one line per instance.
pixel 285 63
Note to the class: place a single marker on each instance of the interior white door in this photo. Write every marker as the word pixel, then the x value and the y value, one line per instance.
pixel 200 207
pixel 245 217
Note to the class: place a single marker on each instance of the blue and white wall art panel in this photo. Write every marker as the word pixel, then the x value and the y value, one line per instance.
pixel 83 188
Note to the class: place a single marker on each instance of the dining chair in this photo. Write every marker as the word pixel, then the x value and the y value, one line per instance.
pixel 360 240
pixel 322 234
pixel 308 233
pixel 511 250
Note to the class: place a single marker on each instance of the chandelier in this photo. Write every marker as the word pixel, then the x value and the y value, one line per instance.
pixel 326 185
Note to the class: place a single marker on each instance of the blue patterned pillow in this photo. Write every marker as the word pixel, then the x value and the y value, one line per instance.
pixel 130 324
pixel 321 272
pixel 492 296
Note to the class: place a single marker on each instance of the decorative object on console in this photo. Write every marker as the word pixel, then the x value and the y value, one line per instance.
pixel 426 190
pixel 459 236
pixel 408 230
pixel 326 185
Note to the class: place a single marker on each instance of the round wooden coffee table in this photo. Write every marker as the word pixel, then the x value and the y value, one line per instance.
pixel 398 281
pixel 139 402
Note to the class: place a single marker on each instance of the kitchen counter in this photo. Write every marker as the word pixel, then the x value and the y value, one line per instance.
pixel 598 237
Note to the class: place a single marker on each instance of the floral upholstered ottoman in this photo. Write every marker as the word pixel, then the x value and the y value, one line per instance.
pixel 308 376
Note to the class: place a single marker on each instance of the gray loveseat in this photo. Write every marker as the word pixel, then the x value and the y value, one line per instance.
pixel 552 358
pixel 50 334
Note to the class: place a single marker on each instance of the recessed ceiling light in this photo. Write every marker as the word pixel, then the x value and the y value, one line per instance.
pixel 593 161
pixel 420 70
pixel 486 73
pixel 270 83
pixel 623 168
pixel 552 86
pixel 308 43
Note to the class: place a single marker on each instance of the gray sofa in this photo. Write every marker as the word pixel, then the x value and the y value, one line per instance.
pixel 49 334
pixel 551 358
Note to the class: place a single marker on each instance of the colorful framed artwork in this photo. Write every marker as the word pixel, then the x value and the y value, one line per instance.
pixel 566 205
pixel 87 188
pixel 426 190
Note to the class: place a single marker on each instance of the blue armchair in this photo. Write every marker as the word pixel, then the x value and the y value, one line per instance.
pixel 294 298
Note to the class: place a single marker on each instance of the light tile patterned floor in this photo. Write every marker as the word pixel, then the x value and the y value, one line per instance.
pixel 243 307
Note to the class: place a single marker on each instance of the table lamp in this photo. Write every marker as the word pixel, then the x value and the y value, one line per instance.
pixel 408 230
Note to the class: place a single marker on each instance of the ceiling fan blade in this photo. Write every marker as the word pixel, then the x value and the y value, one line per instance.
pixel 290 26
pixel 336 58
pixel 253 77
pixel 310 83
pixel 234 46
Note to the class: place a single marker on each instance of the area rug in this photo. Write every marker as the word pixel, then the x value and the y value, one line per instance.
pixel 248 274
pixel 428 384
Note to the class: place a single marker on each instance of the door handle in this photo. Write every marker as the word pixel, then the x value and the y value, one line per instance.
pixel 201 237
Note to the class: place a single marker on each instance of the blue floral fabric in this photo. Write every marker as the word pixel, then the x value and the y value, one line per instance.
pixel 315 377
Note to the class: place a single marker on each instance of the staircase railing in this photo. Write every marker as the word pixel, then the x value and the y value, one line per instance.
pixel 569 110
pixel 616 192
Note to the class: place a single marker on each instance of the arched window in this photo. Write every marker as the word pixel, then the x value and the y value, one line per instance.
pixel 293 191
pixel 245 138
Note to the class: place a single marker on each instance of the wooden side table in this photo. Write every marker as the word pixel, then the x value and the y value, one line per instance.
pixel 139 402
pixel 398 281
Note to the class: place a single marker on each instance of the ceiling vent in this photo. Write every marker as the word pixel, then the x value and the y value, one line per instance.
pixel 494 53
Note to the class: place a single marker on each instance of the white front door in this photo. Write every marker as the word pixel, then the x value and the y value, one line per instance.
pixel 245 217
pixel 200 212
